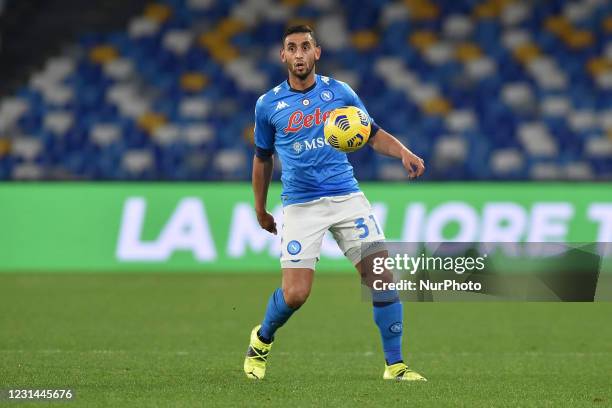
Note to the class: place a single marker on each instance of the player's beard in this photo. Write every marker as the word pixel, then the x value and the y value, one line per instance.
pixel 302 76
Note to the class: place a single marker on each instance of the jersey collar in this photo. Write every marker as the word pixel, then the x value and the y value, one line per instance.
pixel 310 88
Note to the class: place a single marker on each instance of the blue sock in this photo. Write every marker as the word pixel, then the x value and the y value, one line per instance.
pixel 389 318
pixel 277 314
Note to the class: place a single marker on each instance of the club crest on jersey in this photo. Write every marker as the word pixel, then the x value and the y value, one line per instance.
pixel 298 120
pixel 327 95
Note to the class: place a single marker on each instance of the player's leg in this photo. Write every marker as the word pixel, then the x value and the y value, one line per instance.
pixel 284 301
pixel 387 308
pixel 300 248
pixel 388 314
pixel 296 286
pixel 361 239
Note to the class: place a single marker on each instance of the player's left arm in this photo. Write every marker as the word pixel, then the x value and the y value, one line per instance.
pixel 386 144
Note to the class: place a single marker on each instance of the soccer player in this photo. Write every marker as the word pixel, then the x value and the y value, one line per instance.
pixel 319 194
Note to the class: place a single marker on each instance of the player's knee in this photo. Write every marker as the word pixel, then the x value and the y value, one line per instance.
pixel 296 296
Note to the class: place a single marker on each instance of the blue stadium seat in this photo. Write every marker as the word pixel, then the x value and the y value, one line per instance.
pixel 477 81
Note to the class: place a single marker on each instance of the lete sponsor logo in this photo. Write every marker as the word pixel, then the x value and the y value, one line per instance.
pixel 298 120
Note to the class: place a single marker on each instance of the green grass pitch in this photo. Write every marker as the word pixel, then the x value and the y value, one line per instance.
pixel 178 340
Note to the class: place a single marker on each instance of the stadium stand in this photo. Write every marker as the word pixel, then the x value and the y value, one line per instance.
pixel 482 90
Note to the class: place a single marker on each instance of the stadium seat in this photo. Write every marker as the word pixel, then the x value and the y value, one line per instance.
pixel 449 151
pixel 27 171
pixel 599 147
pixel 229 163
pixel 26 148
pixel 546 171
pixel 58 122
pixel 507 162
pixel 536 140
pixel 523 86
pixel 198 134
pixel 119 69
pixel 578 171
pixel 137 162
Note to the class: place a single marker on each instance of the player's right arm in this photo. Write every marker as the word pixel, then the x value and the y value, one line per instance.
pixel 262 174
pixel 263 164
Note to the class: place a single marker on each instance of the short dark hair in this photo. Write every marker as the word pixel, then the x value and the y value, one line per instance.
pixel 302 28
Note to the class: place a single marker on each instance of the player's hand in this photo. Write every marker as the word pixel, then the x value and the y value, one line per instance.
pixel 413 164
pixel 266 221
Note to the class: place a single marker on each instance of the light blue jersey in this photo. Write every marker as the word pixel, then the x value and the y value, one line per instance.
pixel 291 122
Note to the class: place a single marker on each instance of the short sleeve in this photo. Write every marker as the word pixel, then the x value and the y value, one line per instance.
pixel 354 100
pixel 264 131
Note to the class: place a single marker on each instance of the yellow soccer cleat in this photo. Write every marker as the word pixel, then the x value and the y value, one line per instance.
pixel 257 357
pixel 401 372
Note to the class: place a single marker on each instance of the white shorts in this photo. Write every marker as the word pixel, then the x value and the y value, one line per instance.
pixel 349 218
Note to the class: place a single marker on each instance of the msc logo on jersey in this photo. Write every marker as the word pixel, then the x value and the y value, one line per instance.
pixel 308 145
pixel 297 146
pixel 327 96
pixel 294 247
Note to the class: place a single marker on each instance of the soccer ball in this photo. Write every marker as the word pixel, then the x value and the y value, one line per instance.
pixel 347 128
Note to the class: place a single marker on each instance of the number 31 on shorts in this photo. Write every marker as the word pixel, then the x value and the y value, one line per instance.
pixel 361 225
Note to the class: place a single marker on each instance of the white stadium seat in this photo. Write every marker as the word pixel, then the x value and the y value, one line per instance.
pixel 392 172
pixel 178 41
pixel 58 122
pixel 555 106
pixel 104 134
pixel 537 140
pixel 194 107
pixel 119 69
pixel 545 171
pixel 450 150
pixel 457 27
pixel 514 13
pixel 26 148
pixel 480 68
pixel 505 161
pixel 518 95
pixel 142 27
pixel 582 120
pixel 599 147
pixel 27 171
pixel 166 134
pixel 579 171
pixel 515 38
pixel 393 12
pixel 198 133
pixel 137 161
pixel 439 54
pixel 229 161
pixel 461 120
pixel 332 32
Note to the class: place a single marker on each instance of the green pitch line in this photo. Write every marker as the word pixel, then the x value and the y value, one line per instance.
pixel 179 341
